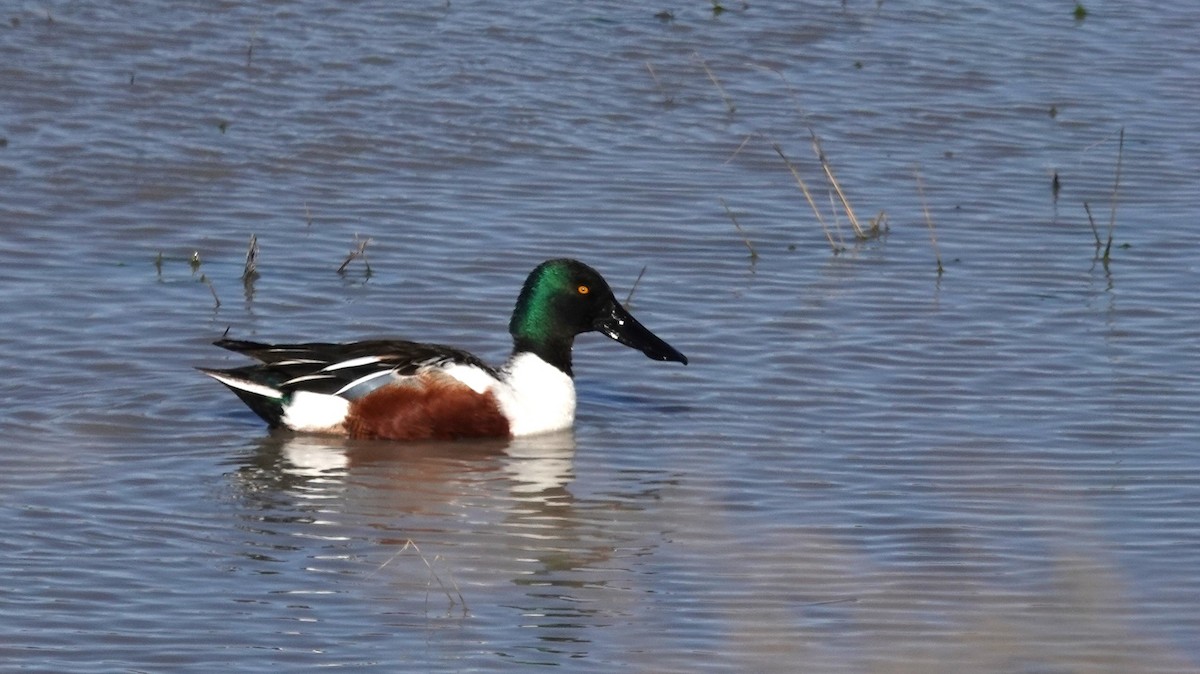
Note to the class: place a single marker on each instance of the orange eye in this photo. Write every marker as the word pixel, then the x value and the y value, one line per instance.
pixel 583 290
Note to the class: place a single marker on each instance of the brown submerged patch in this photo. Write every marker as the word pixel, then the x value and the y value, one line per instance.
pixel 439 408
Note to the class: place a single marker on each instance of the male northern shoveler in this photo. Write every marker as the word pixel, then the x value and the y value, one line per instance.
pixel 400 390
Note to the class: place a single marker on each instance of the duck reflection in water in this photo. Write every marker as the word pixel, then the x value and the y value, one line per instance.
pixel 418 528
pixel 314 466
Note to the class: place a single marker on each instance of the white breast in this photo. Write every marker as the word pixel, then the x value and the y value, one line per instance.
pixel 535 396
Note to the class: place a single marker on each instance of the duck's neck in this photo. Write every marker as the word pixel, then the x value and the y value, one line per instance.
pixel 554 352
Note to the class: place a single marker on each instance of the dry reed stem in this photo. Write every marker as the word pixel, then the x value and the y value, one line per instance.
pixel 937 254
pixel 634 287
pixel 408 543
pixel 658 83
pixel 359 252
pixel 833 182
pixel 835 245
pixel 738 150
pixel 1112 218
pixel 211 289
pixel 745 239
pixel 654 76
pixel 716 83
pixel 250 270
pixel 1092 221
pixel 636 281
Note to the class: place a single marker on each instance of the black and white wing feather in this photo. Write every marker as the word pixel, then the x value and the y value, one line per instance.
pixel 350 370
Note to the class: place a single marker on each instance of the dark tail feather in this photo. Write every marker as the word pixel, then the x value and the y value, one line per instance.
pixel 274 353
pixel 256 350
pixel 256 397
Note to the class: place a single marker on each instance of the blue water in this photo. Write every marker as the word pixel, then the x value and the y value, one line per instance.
pixel 867 466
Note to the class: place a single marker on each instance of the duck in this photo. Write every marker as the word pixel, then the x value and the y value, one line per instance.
pixel 394 389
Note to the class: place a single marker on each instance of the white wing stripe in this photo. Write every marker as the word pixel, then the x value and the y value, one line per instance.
pixel 248 386
pixel 307 377
pixel 360 380
pixel 353 362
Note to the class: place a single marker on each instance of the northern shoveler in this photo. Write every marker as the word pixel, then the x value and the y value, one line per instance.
pixel 401 390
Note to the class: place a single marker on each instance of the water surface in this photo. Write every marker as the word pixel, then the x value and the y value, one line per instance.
pixel 867 466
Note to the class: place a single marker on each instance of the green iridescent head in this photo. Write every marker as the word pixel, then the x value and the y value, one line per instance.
pixel 563 298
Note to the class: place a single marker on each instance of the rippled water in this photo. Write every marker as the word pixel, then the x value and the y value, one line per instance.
pixel 867 466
